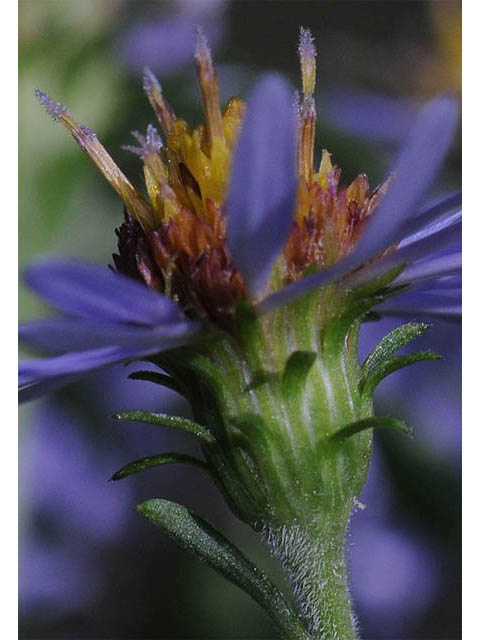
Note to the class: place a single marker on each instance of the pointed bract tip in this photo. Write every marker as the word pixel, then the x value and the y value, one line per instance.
pixel 150 81
pixel 53 108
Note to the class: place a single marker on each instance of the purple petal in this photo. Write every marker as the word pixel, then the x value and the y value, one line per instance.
pixel 94 292
pixel 452 222
pixel 422 298
pixel 413 174
pixel 58 335
pixel 299 288
pixel 260 204
pixel 444 265
pixel 445 283
pixel 442 248
pixel 444 206
pixel 428 242
pixel 43 375
pixel 75 363
pixel 46 374
pixel 443 311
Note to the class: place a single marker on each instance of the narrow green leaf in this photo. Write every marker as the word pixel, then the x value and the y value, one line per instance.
pixel 157 378
pixel 392 342
pixel 375 422
pixel 164 420
pixel 388 366
pixel 156 460
pixel 296 371
pixel 208 545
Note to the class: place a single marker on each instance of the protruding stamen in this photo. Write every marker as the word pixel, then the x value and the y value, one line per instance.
pixel 307 113
pixel 307 52
pixel 209 87
pixel 88 141
pixel 163 110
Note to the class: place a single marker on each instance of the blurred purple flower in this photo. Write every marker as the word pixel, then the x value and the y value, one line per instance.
pixel 369 115
pixel 165 43
pixel 400 581
pixel 403 577
pixel 65 481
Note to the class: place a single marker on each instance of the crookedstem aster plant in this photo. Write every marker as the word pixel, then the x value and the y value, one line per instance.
pixel 245 278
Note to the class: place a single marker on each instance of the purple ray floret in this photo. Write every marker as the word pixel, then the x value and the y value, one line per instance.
pixel 261 199
pixel 109 318
pixel 87 290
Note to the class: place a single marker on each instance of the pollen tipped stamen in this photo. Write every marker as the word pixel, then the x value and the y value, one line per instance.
pixel 307 53
pixel 307 111
pixel 207 79
pixel 163 111
pixel 89 142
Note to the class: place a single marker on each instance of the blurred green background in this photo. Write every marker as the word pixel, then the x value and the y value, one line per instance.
pixel 132 582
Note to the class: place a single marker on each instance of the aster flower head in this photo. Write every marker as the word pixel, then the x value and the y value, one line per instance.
pixel 245 275
pixel 211 234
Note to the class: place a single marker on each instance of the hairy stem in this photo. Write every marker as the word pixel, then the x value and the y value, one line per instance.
pixel 313 559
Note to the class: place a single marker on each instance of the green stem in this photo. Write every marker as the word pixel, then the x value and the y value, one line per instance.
pixel 313 558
